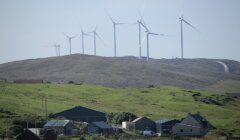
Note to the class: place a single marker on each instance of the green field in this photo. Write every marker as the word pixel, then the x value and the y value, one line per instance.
pixel 155 103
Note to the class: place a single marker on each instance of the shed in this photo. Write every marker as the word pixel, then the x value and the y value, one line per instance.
pixel 82 114
pixel 60 126
pixel 143 123
pixel 100 128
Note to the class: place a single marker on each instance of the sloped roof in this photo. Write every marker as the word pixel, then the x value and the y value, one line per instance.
pixel 80 111
pixel 137 119
pixel 168 122
pixel 202 121
pixel 102 125
pixel 140 118
pixel 57 123
pixel 27 135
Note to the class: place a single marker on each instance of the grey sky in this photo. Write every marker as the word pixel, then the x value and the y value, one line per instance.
pixel 28 26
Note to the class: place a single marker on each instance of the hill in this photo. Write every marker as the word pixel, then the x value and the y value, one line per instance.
pixel 128 71
pixel 22 100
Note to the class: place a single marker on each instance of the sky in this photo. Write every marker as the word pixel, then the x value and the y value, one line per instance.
pixel 28 28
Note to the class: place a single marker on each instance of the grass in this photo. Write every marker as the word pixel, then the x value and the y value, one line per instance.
pixel 155 103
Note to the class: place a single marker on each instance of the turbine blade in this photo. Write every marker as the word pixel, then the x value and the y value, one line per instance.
pixel 144 26
pixel 154 34
pixel 110 17
pixel 66 35
pixel 120 23
pixel 143 40
pixel 101 39
pixel 190 25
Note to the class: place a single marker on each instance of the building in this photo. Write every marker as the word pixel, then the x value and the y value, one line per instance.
pixel 193 125
pixel 99 128
pixel 60 126
pixel 50 134
pixel 142 124
pixel 27 135
pixel 82 114
pixel 164 126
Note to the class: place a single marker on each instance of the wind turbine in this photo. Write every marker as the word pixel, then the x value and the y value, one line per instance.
pixel 57 48
pixel 114 34
pixel 147 36
pixel 83 34
pixel 70 42
pixel 181 19
pixel 95 35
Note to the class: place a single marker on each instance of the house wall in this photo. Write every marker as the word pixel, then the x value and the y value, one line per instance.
pixel 68 129
pixel 187 130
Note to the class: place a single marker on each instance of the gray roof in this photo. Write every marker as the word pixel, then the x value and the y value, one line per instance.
pixel 57 123
pixel 102 125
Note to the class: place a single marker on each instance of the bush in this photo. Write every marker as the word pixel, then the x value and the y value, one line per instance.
pixel 118 118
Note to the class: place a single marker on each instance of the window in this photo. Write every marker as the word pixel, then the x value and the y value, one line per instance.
pixel 181 130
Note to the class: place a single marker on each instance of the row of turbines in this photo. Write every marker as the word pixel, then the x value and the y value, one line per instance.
pixel 141 24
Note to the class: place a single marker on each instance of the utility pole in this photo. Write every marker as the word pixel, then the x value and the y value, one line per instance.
pixel 46 108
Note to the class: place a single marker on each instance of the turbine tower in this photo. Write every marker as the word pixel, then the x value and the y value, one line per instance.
pixel 139 22
pixel 83 34
pixel 70 42
pixel 95 35
pixel 181 19
pixel 114 34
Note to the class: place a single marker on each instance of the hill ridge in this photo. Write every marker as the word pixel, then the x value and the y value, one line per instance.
pixel 126 71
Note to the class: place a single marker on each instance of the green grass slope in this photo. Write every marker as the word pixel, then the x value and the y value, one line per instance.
pixel 155 103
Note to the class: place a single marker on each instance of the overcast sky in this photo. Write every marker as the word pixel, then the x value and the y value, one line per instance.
pixel 27 27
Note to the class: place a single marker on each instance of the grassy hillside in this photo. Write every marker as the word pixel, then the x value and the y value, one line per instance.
pixel 159 102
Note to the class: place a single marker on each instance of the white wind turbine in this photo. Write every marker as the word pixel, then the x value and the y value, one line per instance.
pixel 70 42
pixel 181 19
pixel 114 34
pixel 83 34
pixel 95 35
pixel 147 36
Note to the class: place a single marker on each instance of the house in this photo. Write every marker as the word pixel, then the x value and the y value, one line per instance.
pixel 82 114
pixel 142 124
pixel 27 135
pixel 60 126
pixel 99 128
pixel 164 126
pixel 192 125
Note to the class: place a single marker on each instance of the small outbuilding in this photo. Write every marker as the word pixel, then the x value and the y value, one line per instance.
pixel 142 124
pixel 99 128
pixel 194 125
pixel 27 135
pixel 60 126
